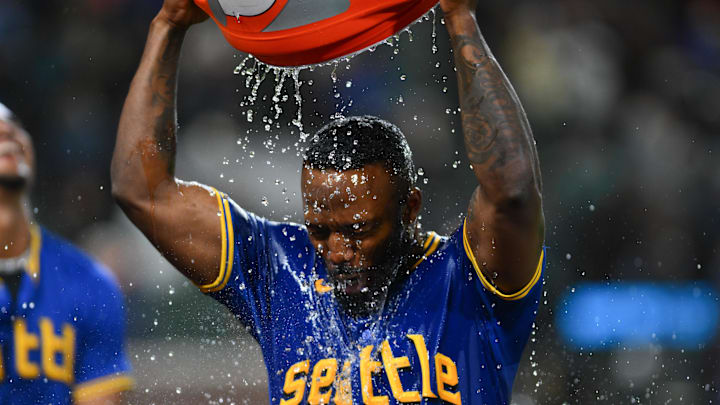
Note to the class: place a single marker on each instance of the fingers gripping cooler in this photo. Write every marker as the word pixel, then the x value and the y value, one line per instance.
pixel 305 32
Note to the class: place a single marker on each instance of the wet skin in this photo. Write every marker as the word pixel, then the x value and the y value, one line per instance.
pixel 359 227
pixel 505 225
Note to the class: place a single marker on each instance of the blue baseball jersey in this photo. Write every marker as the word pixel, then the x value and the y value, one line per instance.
pixel 62 337
pixel 444 335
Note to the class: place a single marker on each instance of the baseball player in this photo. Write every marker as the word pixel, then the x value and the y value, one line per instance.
pixel 356 305
pixel 61 313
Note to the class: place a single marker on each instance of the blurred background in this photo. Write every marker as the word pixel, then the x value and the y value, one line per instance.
pixel 624 101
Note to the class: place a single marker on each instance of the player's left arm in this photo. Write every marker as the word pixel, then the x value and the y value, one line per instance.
pixel 505 225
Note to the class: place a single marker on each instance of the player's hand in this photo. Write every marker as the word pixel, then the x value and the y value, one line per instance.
pixel 182 13
pixel 450 7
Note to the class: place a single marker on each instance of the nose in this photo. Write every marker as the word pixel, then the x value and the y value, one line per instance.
pixel 340 250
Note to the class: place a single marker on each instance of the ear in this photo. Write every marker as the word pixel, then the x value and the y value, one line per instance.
pixel 413 205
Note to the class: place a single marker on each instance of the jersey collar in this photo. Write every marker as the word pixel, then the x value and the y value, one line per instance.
pixel 33 265
pixel 431 243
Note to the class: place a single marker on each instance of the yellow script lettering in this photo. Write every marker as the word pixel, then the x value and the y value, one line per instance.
pixel 424 358
pixel 24 342
pixel 293 385
pixel 392 364
pixel 323 376
pixel 446 374
pixel 367 368
pixel 343 392
pixel 53 345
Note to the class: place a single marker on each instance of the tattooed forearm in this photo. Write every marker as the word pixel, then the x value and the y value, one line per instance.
pixel 163 85
pixel 504 226
pixel 497 136
pixel 144 154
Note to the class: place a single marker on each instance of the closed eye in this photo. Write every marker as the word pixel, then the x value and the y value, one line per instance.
pixel 360 229
pixel 318 232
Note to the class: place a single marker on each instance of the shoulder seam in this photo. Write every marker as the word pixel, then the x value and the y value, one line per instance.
pixel 227 253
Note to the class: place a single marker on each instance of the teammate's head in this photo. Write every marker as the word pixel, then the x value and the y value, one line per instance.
pixel 361 206
pixel 16 153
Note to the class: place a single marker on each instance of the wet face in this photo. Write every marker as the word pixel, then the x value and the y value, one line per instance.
pixel 361 229
pixel 16 155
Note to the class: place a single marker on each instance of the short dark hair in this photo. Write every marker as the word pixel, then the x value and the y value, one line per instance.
pixel 351 143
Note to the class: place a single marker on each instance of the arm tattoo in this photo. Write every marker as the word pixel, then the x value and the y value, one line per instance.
pixel 497 135
pixel 163 88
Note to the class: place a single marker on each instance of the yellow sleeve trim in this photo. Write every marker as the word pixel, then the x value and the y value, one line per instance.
pixel 510 297
pixel 227 254
pixel 102 386
pixel 429 239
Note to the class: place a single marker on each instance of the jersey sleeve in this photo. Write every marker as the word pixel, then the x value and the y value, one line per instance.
pixel 509 316
pixel 102 367
pixel 490 287
pixel 252 253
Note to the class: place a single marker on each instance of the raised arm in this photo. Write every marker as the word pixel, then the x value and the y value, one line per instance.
pixel 505 225
pixel 179 218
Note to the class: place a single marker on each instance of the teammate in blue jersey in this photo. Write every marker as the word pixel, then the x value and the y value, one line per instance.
pixel 61 313
pixel 358 305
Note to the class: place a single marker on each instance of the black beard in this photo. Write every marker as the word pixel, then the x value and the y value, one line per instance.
pixel 364 303
pixel 372 301
pixel 13 183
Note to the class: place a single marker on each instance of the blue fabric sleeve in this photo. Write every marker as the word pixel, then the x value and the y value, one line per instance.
pixel 509 316
pixel 254 251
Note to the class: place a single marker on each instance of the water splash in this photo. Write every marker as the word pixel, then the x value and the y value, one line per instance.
pixel 434 31
pixel 256 72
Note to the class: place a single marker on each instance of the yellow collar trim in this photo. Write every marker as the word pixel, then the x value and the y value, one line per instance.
pixel 431 243
pixel 33 266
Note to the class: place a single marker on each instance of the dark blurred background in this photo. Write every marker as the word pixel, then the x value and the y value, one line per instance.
pixel 624 101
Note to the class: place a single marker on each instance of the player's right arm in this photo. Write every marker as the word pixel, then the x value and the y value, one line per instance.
pixel 504 230
pixel 181 219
